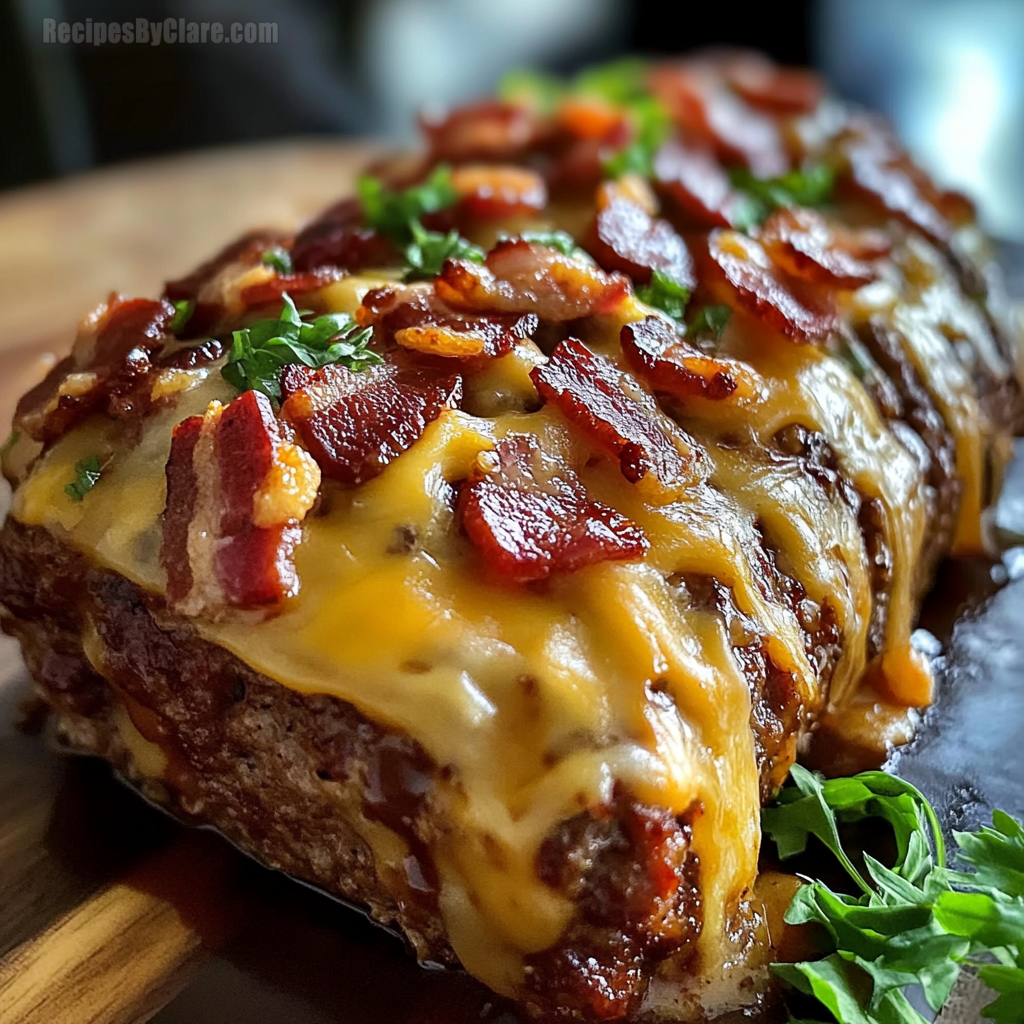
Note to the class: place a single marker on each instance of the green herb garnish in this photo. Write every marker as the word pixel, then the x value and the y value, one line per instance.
pixel 183 310
pixel 260 351
pixel 398 215
pixel 905 925
pixel 709 320
pixel 535 89
pixel 665 294
pixel 425 255
pixel 651 126
pixel 619 81
pixel 809 187
pixel 87 476
pixel 277 258
pixel 392 213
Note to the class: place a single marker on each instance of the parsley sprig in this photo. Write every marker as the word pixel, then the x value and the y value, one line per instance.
pixel 665 293
pixel 906 924
pixel 87 475
pixel 398 214
pixel 260 351
pixel 708 320
pixel 811 186
pixel 277 258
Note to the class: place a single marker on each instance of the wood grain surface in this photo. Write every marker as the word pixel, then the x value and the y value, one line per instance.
pixel 110 913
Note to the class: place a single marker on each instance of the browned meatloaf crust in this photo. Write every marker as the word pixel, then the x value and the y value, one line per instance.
pixel 285 775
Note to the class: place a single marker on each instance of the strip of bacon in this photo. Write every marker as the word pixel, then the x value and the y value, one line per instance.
pixel 693 179
pixel 625 237
pixel 355 424
pixel 492 191
pixel 246 252
pixel 613 410
pixel 805 245
pixel 879 172
pixel 524 277
pixel 485 131
pixel 237 490
pixel 766 86
pixel 705 108
pixel 738 272
pixel 415 317
pixel 672 366
pixel 110 359
pixel 530 516
pixel 270 291
pixel 339 238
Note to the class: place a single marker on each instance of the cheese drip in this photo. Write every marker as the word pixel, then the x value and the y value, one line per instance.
pixel 418 642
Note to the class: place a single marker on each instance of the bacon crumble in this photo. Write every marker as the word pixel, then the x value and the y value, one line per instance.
pixel 672 366
pixel 612 409
pixel 738 271
pixel 355 424
pixel 415 317
pixel 530 516
pixel 237 490
pixel 524 277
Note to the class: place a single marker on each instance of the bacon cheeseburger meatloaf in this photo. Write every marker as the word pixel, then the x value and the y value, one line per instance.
pixel 486 552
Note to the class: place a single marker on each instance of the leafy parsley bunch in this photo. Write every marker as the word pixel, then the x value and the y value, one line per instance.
pixel 906 925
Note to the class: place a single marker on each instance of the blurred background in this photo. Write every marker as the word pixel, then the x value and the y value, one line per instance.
pixel 949 72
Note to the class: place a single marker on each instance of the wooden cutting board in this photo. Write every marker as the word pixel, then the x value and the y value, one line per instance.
pixel 110 913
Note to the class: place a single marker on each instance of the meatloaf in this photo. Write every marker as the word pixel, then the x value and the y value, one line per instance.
pixel 486 552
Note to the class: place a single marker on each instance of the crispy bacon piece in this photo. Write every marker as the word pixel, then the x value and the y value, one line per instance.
pixel 488 131
pixel 491 191
pixel 577 163
pixel 738 271
pixel 805 245
pixel 416 318
pixel 339 238
pixel 879 172
pixel 611 408
pixel 696 182
pixel 673 366
pixel 355 424
pixel 706 109
pixel 766 86
pixel 523 277
pixel 294 284
pixel 625 237
pixel 530 516
pixel 246 251
pixel 237 489
pixel 111 358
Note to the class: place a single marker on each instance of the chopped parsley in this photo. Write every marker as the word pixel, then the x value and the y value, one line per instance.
pixel 183 310
pixel 277 258
pixel 665 294
pixel 87 476
pixel 809 187
pixel 425 255
pixel 392 213
pixel 399 214
pixel 260 351
pixel 529 88
pixel 906 924
pixel 651 126
pixel 619 81
pixel 709 320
